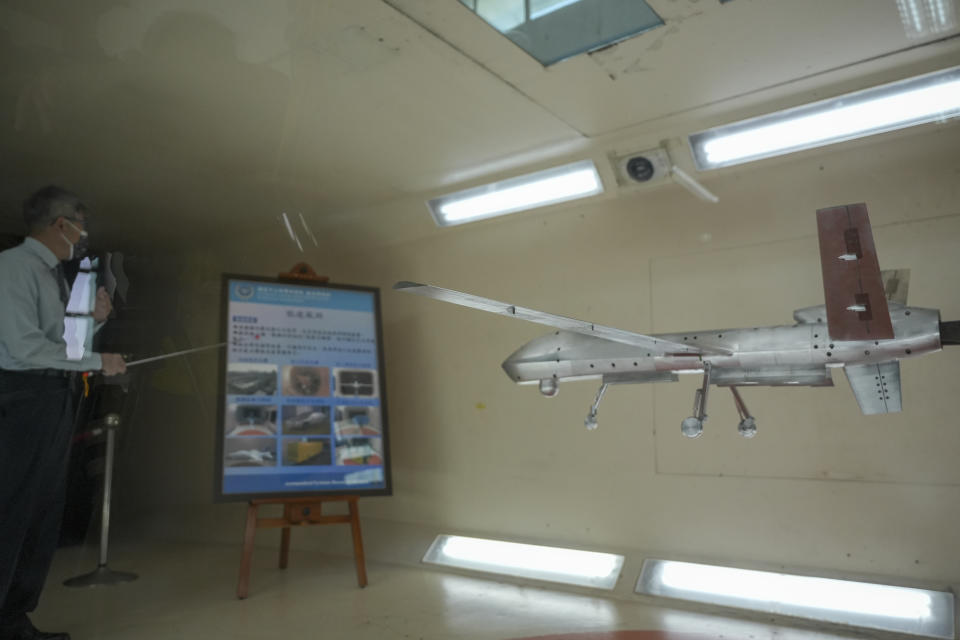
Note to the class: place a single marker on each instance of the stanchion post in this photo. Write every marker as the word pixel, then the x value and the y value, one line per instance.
pixel 103 575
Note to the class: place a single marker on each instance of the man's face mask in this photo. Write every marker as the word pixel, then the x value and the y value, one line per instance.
pixel 79 248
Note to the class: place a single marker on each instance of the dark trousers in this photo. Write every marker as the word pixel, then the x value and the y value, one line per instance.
pixel 36 428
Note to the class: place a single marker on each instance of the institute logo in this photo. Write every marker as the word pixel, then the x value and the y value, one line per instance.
pixel 244 291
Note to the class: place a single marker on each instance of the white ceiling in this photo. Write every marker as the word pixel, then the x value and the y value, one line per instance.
pixel 182 118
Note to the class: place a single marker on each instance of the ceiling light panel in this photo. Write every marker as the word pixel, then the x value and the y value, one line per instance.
pixel 553 30
pixel 552 186
pixel 934 97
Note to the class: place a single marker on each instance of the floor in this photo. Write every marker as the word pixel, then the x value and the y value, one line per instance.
pixel 188 591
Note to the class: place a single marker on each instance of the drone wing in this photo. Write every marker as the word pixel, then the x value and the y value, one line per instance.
pixel 560 322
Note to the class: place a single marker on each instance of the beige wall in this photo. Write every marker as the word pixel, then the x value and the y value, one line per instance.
pixel 820 487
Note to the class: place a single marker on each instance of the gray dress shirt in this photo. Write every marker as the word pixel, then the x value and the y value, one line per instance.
pixel 32 311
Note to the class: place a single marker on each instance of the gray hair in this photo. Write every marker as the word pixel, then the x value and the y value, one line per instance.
pixel 49 203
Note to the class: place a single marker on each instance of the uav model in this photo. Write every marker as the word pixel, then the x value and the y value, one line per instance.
pixel 255 456
pixel 856 329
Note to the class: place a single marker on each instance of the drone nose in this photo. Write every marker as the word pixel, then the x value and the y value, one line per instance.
pixel 511 366
pixel 527 362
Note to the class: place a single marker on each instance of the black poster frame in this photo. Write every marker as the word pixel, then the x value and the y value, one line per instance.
pixel 219 430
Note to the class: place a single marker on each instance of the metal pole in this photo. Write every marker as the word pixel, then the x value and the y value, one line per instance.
pixel 107 490
pixel 104 575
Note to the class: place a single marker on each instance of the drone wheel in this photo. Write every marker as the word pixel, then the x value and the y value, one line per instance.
pixel 691 427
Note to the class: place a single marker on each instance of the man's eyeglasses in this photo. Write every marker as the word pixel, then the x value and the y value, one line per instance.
pixel 83 224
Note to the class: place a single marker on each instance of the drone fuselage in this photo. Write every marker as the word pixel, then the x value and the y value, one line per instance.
pixel 863 327
pixel 800 354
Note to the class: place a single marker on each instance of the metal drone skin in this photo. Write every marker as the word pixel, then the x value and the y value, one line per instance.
pixel 856 330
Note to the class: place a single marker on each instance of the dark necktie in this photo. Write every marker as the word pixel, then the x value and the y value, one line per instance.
pixel 62 282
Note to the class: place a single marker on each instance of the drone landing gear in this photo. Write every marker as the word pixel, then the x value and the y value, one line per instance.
pixel 748 426
pixel 591 422
pixel 692 427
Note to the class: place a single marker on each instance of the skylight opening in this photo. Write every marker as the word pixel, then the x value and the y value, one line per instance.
pixel 540 8
pixel 554 30
pixel 925 18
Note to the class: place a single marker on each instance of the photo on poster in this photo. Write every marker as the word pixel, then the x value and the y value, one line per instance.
pixel 306 381
pixel 250 452
pixel 251 420
pixel 352 421
pixel 306 452
pixel 353 451
pixel 305 419
pixel 355 383
pixel 245 379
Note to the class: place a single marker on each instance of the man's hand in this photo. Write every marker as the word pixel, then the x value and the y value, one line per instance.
pixel 102 307
pixel 112 364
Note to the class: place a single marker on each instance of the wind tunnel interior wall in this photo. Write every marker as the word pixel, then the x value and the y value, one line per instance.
pixel 820 486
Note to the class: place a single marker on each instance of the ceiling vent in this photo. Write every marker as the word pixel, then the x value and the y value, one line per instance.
pixel 641 167
pixel 654 167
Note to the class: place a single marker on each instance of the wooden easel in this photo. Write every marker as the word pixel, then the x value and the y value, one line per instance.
pixel 299 511
pixel 303 271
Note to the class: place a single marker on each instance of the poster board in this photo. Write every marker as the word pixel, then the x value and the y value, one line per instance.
pixel 302 403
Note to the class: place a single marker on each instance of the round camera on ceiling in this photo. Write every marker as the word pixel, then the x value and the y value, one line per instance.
pixel 640 168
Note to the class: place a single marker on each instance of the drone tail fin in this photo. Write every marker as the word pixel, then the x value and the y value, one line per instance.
pixel 853 288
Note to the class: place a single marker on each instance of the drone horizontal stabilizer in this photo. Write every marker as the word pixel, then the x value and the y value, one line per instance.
pixel 655 345
pixel 876 386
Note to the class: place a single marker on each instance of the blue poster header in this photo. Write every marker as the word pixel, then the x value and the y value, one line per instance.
pixel 300 296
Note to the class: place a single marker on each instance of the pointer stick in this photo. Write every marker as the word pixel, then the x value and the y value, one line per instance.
pixel 175 353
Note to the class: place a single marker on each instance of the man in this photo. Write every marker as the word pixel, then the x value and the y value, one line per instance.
pixel 37 400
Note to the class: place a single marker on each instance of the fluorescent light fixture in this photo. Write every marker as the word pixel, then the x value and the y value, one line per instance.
pixel 553 564
pixel 559 184
pixel 861 604
pixel 934 97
